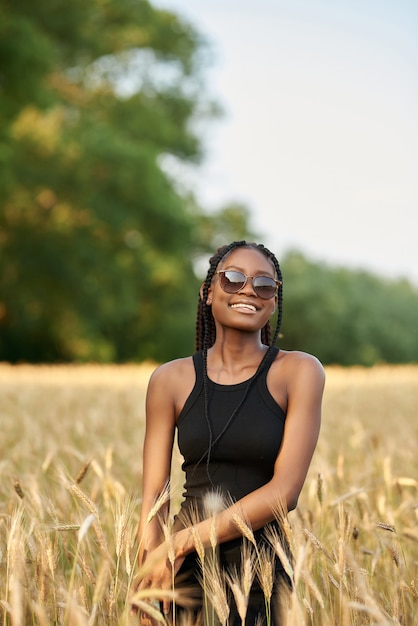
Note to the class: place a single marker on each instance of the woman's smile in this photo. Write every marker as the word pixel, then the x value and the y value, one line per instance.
pixel 244 307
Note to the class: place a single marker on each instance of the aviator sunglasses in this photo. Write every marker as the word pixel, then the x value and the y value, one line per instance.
pixel 233 281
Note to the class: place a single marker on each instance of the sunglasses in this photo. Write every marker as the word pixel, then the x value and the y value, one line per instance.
pixel 233 281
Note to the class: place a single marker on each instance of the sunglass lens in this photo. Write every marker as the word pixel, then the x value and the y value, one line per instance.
pixel 264 286
pixel 231 281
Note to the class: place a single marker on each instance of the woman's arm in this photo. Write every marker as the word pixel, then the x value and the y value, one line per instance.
pixel 157 453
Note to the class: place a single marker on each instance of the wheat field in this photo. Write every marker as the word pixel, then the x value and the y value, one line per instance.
pixel 71 455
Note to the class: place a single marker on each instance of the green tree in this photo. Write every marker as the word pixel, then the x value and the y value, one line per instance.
pixel 348 317
pixel 98 241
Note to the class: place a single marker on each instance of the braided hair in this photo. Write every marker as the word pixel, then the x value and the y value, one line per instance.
pixel 206 334
pixel 205 323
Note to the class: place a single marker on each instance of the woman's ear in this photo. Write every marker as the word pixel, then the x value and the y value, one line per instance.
pixel 209 297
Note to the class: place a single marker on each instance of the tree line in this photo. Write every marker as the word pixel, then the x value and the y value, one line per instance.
pixel 348 317
pixel 100 237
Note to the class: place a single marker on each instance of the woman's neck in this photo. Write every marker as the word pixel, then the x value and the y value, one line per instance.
pixel 230 362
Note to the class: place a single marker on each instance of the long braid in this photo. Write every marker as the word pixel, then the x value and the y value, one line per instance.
pixel 206 334
pixel 205 324
pixel 205 338
pixel 275 262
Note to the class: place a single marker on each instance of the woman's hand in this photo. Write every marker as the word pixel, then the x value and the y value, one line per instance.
pixel 157 575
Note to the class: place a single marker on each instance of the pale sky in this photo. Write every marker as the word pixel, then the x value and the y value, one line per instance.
pixel 320 132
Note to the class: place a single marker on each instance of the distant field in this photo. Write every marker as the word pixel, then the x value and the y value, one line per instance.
pixel 71 454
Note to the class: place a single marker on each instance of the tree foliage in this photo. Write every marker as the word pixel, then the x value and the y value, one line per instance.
pixel 348 317
pixel 100 244
pixel 97 240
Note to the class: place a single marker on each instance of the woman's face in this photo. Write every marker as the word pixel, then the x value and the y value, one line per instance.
pixel 244 310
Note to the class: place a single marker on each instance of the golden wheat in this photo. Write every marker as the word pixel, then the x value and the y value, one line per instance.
pixel 354 534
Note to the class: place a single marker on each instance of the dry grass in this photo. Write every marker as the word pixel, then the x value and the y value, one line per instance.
pixel 71 447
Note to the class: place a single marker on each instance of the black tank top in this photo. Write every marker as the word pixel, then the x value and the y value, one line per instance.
pixel 244 451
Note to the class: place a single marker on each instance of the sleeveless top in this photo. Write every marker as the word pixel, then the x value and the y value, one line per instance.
pixel 244 449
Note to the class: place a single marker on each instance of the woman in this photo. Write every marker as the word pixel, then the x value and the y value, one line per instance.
pixel 248 418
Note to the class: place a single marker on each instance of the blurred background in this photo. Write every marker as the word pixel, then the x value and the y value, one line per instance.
pixel 136 137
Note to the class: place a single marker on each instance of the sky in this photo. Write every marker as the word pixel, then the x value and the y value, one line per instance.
pixel 319 136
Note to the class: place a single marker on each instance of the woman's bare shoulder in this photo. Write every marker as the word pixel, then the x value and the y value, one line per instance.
pixel 296 361
pixel 173 371
pixel 172 383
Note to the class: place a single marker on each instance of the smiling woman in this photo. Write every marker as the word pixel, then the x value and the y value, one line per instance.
pixel 247 417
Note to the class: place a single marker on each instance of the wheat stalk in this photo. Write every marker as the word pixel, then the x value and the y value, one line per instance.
pixel 162 499
pixel 99 589
pixel 215 590
pixel 244 528
pixel 276 543
pixel 198 544
pixel 81 474
pixel 241 581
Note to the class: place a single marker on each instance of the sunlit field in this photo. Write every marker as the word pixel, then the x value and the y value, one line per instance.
pixel 71 455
